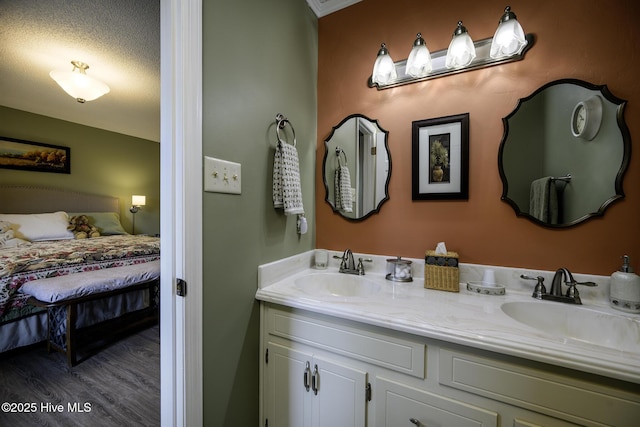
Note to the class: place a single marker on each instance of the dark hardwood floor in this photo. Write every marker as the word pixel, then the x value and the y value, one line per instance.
pixel 118 386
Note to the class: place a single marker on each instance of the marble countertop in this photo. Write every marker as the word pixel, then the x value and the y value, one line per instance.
pixel 465 318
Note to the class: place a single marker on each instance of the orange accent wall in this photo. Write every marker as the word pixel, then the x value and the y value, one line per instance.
pixel 595 41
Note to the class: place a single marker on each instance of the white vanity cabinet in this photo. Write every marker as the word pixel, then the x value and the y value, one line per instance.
pixel 321 370
pixel 305 390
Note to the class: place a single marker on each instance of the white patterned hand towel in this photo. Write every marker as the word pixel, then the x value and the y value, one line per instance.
pixel 343 197
pixel 287 191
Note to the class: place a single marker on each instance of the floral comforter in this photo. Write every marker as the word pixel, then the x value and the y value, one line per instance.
pixel 40 260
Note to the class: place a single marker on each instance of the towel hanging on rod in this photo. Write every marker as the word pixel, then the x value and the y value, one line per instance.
pixel 543 200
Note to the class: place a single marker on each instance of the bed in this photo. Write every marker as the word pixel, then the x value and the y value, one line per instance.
pixel 65 291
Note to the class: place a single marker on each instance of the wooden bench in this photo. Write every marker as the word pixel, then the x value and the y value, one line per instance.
pixel 62 295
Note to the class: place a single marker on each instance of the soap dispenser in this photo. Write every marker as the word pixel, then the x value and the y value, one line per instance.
pixel 624 288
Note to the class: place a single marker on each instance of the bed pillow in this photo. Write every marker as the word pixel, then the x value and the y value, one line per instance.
pixel 108 223
pixel 38 227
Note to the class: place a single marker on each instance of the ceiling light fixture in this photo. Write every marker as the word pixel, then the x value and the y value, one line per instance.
pixel 509 44
pixel 77 84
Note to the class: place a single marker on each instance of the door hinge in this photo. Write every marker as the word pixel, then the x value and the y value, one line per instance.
pixel 266 356
pixel 181 288
pixel 367 392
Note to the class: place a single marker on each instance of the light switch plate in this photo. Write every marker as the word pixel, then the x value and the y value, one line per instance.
pixel 222 176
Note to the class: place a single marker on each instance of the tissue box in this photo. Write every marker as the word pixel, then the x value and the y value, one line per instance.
pixel 441 271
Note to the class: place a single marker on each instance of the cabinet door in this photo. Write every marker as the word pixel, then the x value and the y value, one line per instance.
pixel 341 395
pixel 398 405
pixel 287 402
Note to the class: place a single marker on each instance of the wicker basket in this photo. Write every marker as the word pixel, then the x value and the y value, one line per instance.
pixel 441 271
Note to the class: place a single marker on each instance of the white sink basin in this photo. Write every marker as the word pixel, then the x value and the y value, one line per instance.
pixel 578 323
pixel 336 285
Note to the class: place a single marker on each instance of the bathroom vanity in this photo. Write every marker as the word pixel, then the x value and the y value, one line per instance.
pixel 344 350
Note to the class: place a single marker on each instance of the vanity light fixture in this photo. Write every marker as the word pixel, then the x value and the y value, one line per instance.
pixel 78 84
pixel 136 202
pixel 419 61
pixel 509 44
pixel 461 49
pixel 384 69
pixel 509 38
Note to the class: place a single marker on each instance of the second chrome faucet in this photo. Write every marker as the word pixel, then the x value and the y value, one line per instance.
pixel 571 296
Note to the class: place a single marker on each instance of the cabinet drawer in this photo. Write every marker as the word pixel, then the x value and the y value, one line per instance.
pixel 575 400
pixel 342 337
pixel 398 405
pixel 546 422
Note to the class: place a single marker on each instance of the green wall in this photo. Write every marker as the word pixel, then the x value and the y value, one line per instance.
pixel 259 59
pixel 102 162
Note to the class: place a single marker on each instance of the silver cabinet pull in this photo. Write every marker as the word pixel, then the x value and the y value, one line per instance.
pixel 315 380
pixel 307 377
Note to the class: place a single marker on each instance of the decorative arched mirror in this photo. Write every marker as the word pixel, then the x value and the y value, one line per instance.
pixel 357 167
pixel 564 152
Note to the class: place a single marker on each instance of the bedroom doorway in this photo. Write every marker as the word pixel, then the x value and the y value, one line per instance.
pixel 181 212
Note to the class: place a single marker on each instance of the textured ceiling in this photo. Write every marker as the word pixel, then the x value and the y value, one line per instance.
pixel 119 39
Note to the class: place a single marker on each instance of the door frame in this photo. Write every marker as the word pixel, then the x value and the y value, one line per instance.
pixel 181 212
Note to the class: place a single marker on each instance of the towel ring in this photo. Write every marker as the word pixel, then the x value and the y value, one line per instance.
pixel 281 124
pixel 338 151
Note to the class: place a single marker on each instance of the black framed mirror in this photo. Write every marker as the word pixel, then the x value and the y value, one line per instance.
pixel 356 168
pixel 564 153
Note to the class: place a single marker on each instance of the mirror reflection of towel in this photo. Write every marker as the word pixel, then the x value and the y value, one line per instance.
pixel 543 200
pixel 343 199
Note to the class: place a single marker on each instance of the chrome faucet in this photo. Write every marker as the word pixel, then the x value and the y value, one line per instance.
pixel 572 296
pixel 556 283
pixel 348 264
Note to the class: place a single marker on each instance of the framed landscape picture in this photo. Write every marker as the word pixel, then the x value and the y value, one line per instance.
pixel 440 158
pixel 34 156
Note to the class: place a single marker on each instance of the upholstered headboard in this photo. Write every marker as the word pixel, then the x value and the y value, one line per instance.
pixel 24 199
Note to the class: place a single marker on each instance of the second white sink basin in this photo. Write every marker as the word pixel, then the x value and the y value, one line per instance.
pixel 578 323
pixel 336 285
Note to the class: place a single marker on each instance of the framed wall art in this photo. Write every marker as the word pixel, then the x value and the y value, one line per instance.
pixel 34 156
pixel 440 158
